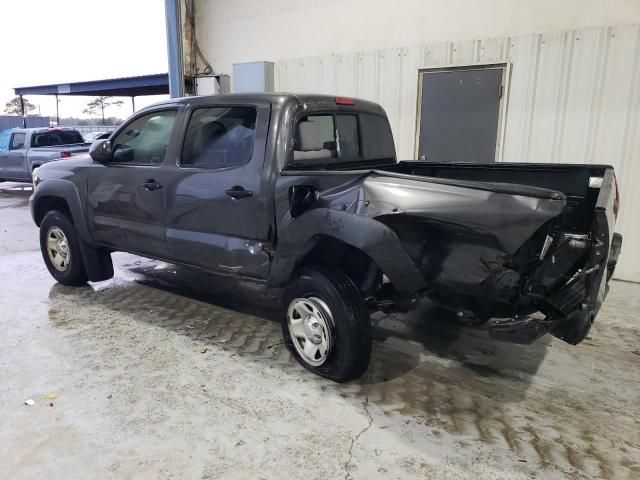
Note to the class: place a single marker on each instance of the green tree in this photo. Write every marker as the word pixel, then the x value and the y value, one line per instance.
pixel 13 106
pixel 99 104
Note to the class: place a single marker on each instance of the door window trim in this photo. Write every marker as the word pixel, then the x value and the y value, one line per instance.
pixel 502 107
pixel 138 115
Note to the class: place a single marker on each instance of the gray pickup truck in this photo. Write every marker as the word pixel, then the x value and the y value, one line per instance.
pixel 303 194
pixel 22 150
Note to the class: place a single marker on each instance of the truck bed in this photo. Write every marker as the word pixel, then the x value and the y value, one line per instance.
pixel 562 269
pixel 538 179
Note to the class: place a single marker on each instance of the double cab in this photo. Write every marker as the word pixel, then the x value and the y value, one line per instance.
pixel 303 194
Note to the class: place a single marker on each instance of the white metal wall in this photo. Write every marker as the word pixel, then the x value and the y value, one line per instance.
pixel 573 97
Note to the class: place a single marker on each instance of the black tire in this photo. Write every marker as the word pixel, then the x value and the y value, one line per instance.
pixel 74 274
pixel 350 347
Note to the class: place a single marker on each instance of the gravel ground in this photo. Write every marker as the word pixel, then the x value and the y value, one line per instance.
pixel 165 373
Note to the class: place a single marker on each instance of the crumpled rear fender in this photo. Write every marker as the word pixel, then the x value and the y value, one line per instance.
pixel 375 239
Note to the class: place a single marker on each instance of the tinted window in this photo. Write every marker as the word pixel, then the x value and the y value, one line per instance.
pixel 377 139
pixel 323 139
pixel 347 128
pixel 18 141
pixel 145 140
pixel 315 140
pixel 4 140
pixel 219 137
pixel 53 138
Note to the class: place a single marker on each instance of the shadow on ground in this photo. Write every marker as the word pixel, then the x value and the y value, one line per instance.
pixel 241 317
pixel 426 370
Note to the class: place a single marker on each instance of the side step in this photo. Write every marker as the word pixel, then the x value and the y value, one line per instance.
pixel 522 330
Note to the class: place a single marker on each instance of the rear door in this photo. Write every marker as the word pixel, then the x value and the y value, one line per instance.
pixel 218 214
pixel 126 197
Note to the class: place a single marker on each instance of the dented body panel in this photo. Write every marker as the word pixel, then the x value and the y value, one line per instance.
pixel 492 243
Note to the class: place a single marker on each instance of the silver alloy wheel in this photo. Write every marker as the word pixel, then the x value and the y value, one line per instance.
pixel 58 249
pixel 308 320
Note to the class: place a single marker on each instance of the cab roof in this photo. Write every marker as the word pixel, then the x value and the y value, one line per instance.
pixel 279 100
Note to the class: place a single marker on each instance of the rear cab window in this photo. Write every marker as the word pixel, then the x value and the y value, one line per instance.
pixel 335 138
pixel 53 138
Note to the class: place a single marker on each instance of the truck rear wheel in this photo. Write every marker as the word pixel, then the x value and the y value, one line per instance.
pixel 60 249
pixel 326 324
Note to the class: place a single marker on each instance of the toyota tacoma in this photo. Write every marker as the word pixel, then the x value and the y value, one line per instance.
pixel 303 194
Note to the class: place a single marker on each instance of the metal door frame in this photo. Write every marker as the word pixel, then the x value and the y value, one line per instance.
pixel 502 107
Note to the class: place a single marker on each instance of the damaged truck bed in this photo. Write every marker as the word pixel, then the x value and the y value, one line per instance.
pixel 304 193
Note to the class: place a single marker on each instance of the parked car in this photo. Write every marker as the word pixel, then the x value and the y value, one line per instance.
pixel 22 150
pixel 304 193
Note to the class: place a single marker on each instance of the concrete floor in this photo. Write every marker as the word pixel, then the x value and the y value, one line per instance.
pixel 157 377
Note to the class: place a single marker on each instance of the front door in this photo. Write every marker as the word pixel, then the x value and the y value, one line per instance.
pixel 218 210
pixel 16 157
pixel 126 197
pixel 5 139
pixel 12 156
pixel 459 113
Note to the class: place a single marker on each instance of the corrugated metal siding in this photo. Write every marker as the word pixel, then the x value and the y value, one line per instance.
pixel 11 121
pixel 573 97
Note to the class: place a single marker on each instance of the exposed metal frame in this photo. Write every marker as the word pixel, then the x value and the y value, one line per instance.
pixel 502 108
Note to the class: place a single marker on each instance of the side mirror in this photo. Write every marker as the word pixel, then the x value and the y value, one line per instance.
pixel 100 151
pixel 301 198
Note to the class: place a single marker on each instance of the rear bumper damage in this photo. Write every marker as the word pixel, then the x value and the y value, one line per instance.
pixel 570 307
pixel 569 311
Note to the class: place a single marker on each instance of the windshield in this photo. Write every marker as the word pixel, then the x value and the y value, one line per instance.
pixel 54 138
pixel 341 139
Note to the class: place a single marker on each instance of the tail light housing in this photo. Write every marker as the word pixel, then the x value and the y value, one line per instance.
pixel 65 154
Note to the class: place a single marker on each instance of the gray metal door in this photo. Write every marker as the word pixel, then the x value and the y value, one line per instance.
pixel 459 115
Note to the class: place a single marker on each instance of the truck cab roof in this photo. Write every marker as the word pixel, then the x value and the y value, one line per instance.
pixel 279 100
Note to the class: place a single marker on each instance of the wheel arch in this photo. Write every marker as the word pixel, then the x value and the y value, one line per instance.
pixel 62 195
pixel 58 194
pixel 46 204
pixel 327 250
pixel 329 235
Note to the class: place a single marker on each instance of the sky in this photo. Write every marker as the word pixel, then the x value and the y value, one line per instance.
pixel 64 41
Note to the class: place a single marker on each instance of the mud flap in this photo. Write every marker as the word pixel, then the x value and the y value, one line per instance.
pixel 97 263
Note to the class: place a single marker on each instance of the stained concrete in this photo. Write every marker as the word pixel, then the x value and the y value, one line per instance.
pixel 167 373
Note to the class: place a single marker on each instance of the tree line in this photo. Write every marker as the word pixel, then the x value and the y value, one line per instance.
pixel 96 106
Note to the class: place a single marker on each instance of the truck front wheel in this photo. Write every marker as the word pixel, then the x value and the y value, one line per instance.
pixel 60 249
pixel 326 324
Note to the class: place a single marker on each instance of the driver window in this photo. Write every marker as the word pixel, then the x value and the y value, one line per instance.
pixel 145 140
pixel 18 141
